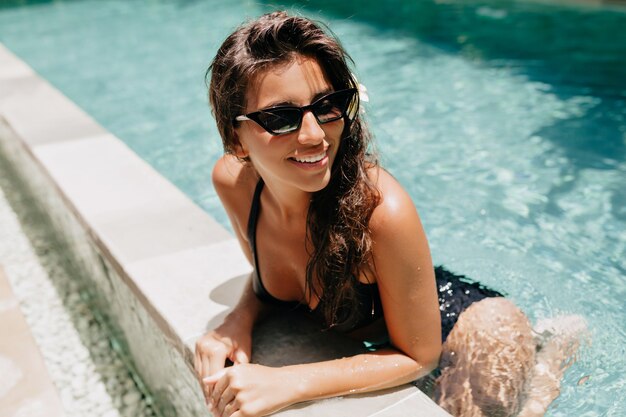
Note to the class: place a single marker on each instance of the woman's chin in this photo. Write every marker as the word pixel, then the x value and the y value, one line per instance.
pixel 317 183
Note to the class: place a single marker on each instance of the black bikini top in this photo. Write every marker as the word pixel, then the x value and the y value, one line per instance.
pixel 370 307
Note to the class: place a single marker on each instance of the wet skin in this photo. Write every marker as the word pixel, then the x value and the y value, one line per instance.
pixel 403 269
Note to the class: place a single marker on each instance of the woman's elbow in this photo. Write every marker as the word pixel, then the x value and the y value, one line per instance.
pixel 428 356
pixel 432 361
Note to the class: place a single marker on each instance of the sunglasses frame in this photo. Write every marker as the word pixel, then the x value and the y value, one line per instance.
pixel 255 116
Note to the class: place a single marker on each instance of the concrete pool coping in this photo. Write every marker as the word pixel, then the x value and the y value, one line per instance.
pixel 177 270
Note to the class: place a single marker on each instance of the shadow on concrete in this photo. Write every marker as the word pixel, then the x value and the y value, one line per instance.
pixel 285 337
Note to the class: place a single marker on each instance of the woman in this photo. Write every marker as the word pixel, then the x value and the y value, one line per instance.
pixel 326 228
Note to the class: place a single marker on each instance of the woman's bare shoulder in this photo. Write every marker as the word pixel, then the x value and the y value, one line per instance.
pixel 231 177
pixel 395 207
pixel 234 183
pixel 404 272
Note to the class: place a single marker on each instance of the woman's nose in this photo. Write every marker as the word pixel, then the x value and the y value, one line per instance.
pixel 310 130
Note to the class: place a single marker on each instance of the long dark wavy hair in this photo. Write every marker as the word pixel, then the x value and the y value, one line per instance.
pixel 338 235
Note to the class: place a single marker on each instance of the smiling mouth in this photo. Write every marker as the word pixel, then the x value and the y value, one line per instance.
pixel 309 159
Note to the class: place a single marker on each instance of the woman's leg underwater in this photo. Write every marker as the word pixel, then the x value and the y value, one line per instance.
pixel 494 364
pixel 486 361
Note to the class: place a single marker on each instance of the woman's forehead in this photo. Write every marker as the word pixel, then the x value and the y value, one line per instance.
pixel 296 82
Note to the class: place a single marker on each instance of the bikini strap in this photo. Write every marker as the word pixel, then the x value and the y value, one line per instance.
pixel 257 283
pixel 254 214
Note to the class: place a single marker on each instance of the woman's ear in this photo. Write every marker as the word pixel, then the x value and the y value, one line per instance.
pixel 240 149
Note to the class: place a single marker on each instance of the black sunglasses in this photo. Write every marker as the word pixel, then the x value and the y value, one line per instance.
pixel 285 119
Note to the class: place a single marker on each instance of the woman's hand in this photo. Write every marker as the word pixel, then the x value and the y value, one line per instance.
pixel 229 341
pixel 250 390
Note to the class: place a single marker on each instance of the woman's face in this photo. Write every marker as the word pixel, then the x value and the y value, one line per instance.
pixel 300 159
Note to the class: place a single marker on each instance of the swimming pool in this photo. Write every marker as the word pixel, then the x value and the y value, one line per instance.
pixel 513 146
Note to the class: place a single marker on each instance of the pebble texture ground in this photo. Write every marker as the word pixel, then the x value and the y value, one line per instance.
pixel 89 374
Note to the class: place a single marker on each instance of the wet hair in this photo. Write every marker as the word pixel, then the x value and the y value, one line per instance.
pixel 338 236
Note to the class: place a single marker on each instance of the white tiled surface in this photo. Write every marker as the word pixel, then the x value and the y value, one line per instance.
pixel 179 259
pixel 195 287
pixel 134 210
pixel 36 110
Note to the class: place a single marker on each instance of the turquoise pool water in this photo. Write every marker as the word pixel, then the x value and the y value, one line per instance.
pixel 506 121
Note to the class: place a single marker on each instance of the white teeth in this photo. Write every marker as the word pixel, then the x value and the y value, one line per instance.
pixel 311 159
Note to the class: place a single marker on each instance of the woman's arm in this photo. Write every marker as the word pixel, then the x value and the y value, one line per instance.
pixel 251 390
pixel 233 338
pixel 405 276
pixel 404 272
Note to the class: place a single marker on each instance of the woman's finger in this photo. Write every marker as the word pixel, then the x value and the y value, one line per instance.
pixel 218 389
pixel 217 360
pixel 211 365
pixel 227 397
pixel 208 384
pixel 231 409
pixel 241 356
pixel 212 379
pixel 205 371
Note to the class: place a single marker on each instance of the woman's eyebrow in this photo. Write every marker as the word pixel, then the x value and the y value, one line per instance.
pixel 279 104
pixel 290 103
pixel 321 94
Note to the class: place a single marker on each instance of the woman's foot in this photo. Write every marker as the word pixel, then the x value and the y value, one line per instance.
pixel 557 341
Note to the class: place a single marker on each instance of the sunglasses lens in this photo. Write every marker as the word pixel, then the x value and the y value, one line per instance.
pixel 333 106
pixel 329 108
pixel 280 120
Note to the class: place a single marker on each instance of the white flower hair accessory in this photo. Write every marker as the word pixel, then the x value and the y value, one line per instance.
pixel 363 96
